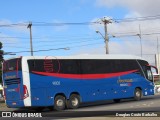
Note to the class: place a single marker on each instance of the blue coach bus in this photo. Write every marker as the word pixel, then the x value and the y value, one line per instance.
pixel 66 82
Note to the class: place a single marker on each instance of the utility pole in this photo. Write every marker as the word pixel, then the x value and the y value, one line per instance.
pixel 140 36
pixel 105 22
pixel 30 29
pixel 158 66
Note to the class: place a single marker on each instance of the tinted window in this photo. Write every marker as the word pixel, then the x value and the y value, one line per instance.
pixel 12 65
pixel 144 67
pixel 56 66
pixel 148 72
pixel 69 66
pixel 108 66
pixel 83 66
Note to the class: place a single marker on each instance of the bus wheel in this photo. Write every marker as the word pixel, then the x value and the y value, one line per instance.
pixel 117 100
pixel 137 94
pixel 74 101
pixel 59 103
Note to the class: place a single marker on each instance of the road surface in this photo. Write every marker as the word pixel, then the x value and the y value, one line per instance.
pixel 148 106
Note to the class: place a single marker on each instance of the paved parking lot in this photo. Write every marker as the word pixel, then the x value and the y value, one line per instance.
pixel 3 107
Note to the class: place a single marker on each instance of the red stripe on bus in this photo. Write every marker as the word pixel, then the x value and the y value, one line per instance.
pixel 84 76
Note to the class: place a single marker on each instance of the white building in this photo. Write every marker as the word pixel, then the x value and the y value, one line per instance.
pixel 157 62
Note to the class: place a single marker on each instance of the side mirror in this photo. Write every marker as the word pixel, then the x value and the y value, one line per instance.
pixel 153 67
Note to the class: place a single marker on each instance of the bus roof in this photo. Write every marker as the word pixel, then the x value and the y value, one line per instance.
pixel 85 56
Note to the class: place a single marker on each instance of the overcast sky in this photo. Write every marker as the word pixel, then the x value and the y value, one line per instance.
pixel 81 39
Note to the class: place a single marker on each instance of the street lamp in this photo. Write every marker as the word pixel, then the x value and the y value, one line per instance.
pixel 101 35
pixel 30 30
pixel 139 35
pixel 106 40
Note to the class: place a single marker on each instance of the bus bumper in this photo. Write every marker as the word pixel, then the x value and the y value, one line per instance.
pixel 15 104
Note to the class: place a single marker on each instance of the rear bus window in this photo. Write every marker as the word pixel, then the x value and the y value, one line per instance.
pixel 12 65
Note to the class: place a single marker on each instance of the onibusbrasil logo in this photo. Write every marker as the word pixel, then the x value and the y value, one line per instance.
pixel 15 114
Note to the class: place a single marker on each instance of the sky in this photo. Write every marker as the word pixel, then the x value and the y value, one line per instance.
pixel 61 39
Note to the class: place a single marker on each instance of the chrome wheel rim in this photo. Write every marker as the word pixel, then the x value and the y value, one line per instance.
pixel 138 94
pixel 74 101
pixel 60 102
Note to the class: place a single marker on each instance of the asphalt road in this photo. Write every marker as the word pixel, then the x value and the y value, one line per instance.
pixel 147 106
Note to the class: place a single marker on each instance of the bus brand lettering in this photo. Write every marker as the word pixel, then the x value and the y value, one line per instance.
pixel 125 80
pixel 10 77
pixel 11 90
pixel 125 84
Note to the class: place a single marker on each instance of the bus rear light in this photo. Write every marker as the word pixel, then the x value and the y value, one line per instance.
pixel 25 92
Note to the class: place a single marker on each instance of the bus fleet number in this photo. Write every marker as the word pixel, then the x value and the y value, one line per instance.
pixel 56 83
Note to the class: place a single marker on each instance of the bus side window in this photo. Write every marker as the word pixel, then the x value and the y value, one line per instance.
pixel 69 66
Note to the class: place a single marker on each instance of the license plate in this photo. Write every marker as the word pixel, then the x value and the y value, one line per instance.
pixel 14 103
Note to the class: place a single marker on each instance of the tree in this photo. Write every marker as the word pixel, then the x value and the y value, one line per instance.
pixel 1 52
pixel 0 73
pixel 1 60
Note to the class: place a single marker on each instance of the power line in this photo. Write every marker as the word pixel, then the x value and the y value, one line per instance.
pixel 66 41
pixel 13 25
pixel 43 50
pixel 39 50
pixel 81 41
pixel 117 35
pixel 81 23
pixel 62 24
pixel 47 24
pixel 138 19
pixel 69 43
pixel 129 35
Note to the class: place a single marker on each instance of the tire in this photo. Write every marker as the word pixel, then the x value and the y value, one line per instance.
pixel 137 94
pixel 59 103
pixel 74 101
pixel 117 100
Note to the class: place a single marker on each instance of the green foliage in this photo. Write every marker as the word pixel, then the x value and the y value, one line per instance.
pixel 1 55
pixel 157 82
pixel 1 45
pixel 0 73
pixel 1 59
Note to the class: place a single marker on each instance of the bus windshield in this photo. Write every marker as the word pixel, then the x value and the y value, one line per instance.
pixel 148 72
